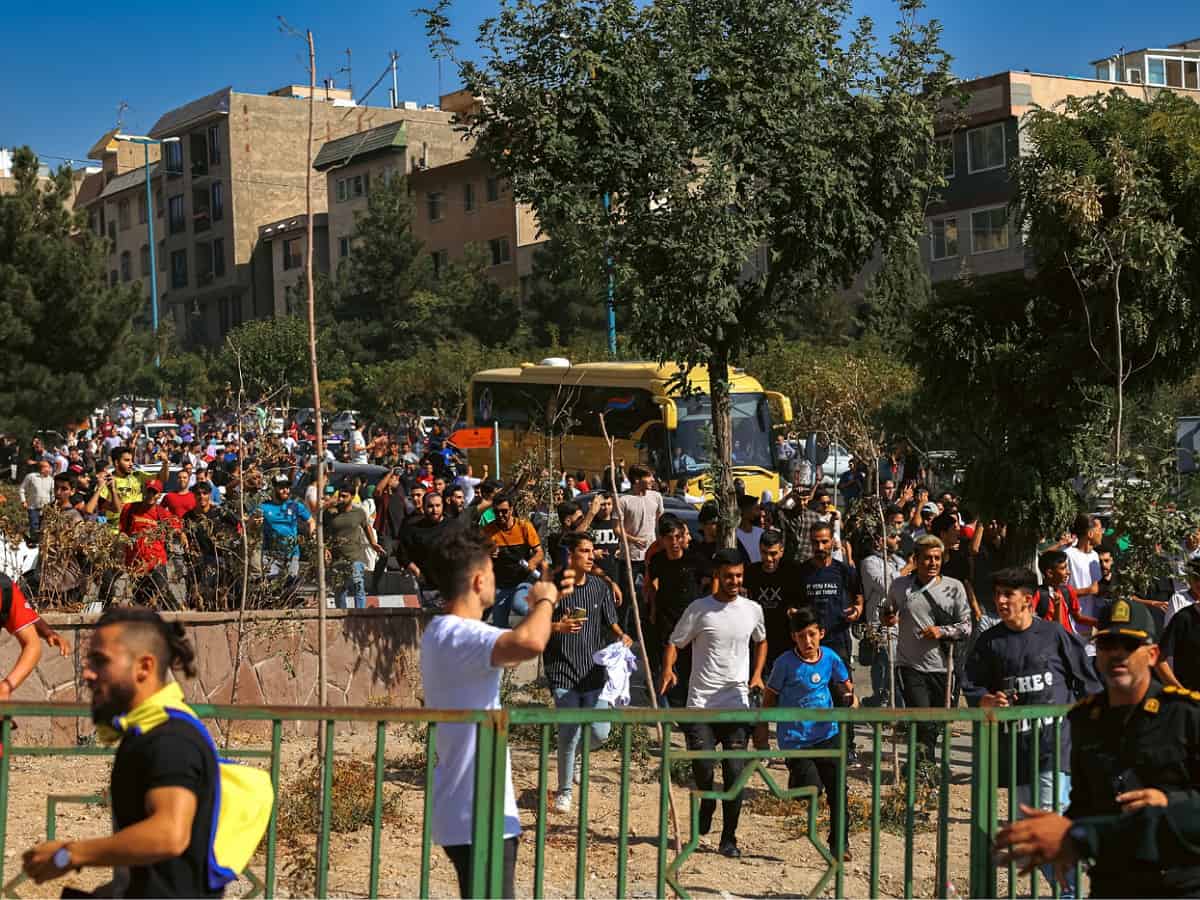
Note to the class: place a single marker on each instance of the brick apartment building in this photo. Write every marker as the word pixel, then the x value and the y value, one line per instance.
pixel 968 224
pixel 239 166
pixel 458 200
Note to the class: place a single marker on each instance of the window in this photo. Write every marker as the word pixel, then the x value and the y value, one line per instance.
pixel 387 173
pixel 173 158
pixel 179 269
pixel 123 214
pixel 126 266
pixel 204 264
pixel 214 144
pixel 198 151
pixel 293 255
pixel 343 247
pixel 946 145
pixel 94 223
pixel 441 259
pixel 158 203
pixel 1156 70
pixel 989 230
pixel 360 185
pixel 141 202
pixel 218 202
pixel 343 190
pixel 201 214
pixel 176 224
pixel 500 251
pixel 985 148
pixel 113 278
pixel 1135 76
pixel 112 234
pixel 218 257
pixel 943 238
pixel 1104 70
pixel 469 197
pixel 145 259
pixel 493 189
pixel 434 201
pixel 162 256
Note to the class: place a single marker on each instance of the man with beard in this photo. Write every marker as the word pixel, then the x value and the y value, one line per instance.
pixel 164 776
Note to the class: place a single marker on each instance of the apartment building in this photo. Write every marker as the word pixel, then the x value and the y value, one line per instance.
pixel 239 164
pixel 969 227
pixel 285 242
pixel 356 164
pixel 466 204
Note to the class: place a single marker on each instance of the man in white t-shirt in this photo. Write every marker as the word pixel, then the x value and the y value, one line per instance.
pixel 1083 564
pixel 462 659
pixel 719 628
pixel 358 445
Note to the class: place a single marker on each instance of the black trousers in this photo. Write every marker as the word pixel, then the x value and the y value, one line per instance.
pixel 707 737
pixel 460 856
pixel 926 689
pixel 821 774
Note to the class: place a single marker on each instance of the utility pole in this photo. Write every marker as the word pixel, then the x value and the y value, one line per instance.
pixel 347 68
pixel 395 83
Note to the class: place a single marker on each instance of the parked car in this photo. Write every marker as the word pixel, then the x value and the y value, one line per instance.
pixel 340 473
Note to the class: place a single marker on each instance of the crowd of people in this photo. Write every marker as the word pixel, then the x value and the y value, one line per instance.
pixel 909 586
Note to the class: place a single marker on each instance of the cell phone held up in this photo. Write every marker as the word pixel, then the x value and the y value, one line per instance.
pixel 1008 687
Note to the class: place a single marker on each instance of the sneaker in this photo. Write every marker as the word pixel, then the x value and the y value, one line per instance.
pixel 563 803
pixel 729 849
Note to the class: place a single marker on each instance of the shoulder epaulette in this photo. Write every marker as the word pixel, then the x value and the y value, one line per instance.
pixel 1177 693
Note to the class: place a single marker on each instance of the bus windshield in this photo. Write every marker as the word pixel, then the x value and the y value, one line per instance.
pixel 690 442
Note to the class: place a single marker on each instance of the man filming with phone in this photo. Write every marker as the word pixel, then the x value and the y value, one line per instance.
pixel 1027 661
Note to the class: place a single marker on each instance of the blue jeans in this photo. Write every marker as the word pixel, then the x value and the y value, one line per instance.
pixel 35 521
pixel 355 584
pixel 568 735
pixel 881 694
pixel 1046 801
pixel 510 600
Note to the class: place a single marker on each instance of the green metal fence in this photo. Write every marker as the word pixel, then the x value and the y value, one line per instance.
pixel 495 729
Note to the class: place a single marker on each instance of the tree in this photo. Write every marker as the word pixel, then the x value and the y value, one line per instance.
pixel 63 327
pixel 717 128
pixel 273 353
pixel 1109 195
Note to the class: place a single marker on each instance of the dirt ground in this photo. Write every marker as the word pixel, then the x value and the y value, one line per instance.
pixel 777 860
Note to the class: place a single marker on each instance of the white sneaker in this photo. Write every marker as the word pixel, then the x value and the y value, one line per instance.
pixel 563 803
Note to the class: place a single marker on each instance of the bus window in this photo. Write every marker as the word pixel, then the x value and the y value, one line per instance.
pixel 751 433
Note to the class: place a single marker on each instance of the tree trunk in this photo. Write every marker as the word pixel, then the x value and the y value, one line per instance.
pixel 1120 371
pixel 721 465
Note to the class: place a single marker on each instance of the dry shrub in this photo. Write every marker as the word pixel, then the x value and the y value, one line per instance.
pixel 353 805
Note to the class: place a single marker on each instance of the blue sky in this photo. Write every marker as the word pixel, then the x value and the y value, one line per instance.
pixel 69 66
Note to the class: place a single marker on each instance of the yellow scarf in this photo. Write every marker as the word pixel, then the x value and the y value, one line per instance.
pixel 148 714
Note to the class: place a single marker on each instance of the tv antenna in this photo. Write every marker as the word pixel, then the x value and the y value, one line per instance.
pixel 349 76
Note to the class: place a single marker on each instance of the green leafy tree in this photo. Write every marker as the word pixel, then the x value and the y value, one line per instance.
pixel 64 329
pixel 1109 194
pixel 717 128
pixel 266 355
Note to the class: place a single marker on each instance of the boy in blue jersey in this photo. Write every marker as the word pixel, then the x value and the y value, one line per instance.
pixel 810 676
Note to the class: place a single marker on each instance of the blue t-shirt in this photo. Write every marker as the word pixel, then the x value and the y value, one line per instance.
pixel 805 685
pixel 281 522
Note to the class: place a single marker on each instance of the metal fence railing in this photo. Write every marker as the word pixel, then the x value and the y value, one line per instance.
pixel 980 750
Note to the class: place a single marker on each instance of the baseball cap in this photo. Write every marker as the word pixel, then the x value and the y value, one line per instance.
pixel 1125 619
pixel 931 508
pixel 281 481
pixel 154 485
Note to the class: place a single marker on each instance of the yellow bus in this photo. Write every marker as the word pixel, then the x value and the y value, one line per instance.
pixel 648 414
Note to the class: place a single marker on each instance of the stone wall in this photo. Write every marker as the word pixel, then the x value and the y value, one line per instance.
pixel 372 660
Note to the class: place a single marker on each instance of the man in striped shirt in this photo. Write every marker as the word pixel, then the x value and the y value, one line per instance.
pixel 580 628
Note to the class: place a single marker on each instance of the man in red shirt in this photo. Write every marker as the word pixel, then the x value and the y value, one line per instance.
pixel 19 621
pixel 179 503
pixel 146 523
pixel 1056 600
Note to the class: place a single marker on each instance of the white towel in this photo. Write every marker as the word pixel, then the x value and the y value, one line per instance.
pixel 619 664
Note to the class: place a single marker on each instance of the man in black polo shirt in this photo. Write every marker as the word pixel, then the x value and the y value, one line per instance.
pixel 1180 662
pixel 164 776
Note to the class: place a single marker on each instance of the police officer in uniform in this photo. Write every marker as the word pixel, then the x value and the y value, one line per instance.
pixel 1135 745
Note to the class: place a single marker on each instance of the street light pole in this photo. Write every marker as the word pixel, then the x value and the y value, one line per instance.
pixel 153 257
pixel 146 142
